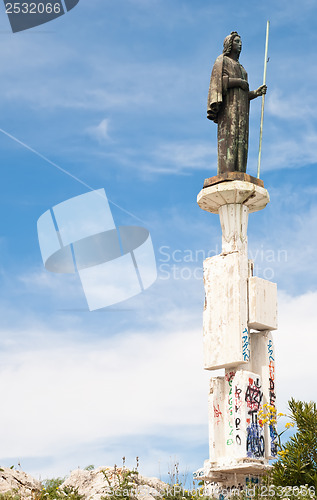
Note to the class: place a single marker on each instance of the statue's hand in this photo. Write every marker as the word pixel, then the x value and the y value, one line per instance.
pixel 244 85
pixel 261 90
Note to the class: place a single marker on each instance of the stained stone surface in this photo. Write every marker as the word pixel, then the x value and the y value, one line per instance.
pixel 94 485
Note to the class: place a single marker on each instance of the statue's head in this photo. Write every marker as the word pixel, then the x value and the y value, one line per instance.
pixel 227 43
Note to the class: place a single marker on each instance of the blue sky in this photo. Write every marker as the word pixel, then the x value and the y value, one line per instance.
pixel 115 93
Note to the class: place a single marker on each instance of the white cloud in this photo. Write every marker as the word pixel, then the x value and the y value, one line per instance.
pixel 55 397
pixel 291 106
pixel 290 151
pixel 296 346
pixel 181 157
pixel 59 394
pixel 100 132
pixel 171 158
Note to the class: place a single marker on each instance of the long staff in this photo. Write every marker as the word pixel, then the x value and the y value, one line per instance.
pixel 263 95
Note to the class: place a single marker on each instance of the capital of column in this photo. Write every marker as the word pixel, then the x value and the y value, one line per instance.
pixel 251 195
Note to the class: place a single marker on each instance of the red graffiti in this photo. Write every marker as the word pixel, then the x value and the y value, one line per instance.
pixel 229 376
pixel 253 395
pixel 272 383
pixel 217 414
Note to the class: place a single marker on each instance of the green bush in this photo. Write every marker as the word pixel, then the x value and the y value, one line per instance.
pixel 9 496
pixel 297 464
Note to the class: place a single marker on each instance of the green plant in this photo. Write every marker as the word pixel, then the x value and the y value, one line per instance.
pixel 89 467
pixel 52 490
pixel 70 493
pixel 122 482
pixel 297 464
pixel 10 495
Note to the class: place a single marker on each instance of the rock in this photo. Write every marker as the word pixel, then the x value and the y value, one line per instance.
pixel 101 482
pixel 16 480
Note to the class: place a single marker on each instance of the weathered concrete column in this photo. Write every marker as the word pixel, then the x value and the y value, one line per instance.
pixel 240 312
pixel 234 224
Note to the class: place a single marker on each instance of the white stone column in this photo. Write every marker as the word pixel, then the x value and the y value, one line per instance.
pixel 236 304
pixel 234 225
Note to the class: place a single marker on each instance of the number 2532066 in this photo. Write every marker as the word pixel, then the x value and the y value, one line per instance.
pixel 33 8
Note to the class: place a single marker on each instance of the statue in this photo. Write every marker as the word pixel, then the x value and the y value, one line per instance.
pixel 228 105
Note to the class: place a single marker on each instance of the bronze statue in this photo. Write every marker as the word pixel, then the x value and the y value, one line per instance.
pixel 228 105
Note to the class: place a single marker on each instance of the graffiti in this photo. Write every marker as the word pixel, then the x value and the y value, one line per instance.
pixel 199 473
pixel 270 350
pixel 274 438
pixel 255 441
pixel 217 414
pixel 272 392
pixel 272 398
pixel 238 401
pixel 272 395
pixel 237 407
pixel 217 411
pixel 237 423
pixel 230 429
pixel 251 480
pixel 271 373
pixel 245 345
pixel 253 396
pixel 229 377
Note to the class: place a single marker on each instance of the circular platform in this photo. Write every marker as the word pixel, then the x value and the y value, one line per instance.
pixel 238 192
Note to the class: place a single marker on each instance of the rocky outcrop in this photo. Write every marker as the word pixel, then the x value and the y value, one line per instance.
pixel 104 481
pixel 93 484
pixel 18 481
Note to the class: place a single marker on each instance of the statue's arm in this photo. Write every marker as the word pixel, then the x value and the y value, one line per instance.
pixel 229 83
pixel 258 92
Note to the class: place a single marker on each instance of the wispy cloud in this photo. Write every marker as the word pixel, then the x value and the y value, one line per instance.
pixel 64 389
pixel 290 151
pixel 297 320
pixel 182 157
pixel 100 132
pixel 77 392
pixel 291 106
pixel 167 158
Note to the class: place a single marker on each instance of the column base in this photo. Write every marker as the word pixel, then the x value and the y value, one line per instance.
pixel 233 474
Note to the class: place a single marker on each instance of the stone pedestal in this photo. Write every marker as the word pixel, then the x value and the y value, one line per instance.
pixel 239 314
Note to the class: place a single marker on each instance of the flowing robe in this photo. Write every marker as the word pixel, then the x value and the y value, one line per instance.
pixel 229 107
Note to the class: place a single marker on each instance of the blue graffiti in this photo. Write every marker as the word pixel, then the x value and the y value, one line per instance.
pixel 273 436
pixel 255 441
pixel 245 345
pixel 270 350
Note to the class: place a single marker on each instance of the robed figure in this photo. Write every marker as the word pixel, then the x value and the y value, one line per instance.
pixel 228 105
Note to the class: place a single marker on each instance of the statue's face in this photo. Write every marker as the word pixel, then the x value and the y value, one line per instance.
pixel 236 44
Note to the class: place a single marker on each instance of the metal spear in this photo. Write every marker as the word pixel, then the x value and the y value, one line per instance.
pixel 263 96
